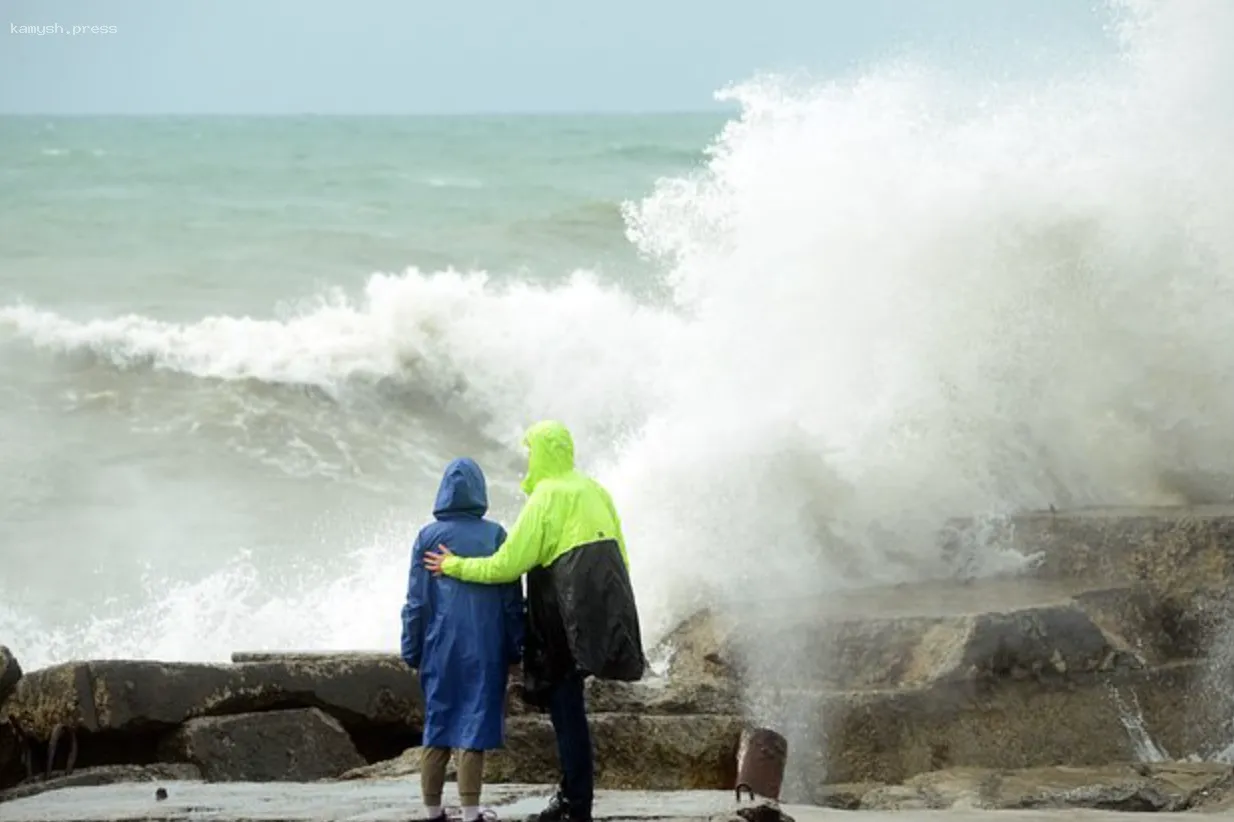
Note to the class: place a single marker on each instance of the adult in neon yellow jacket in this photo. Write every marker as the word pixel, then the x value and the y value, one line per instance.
pixel 581 615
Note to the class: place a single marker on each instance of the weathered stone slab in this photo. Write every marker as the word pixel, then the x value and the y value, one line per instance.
pixel 801 649
pixel 106 775
pixel 138 696
pixel 1084 720
pixel 648 752
pixel 10 673
pixel 274 746
pixel 1132 788
pixel 1190 548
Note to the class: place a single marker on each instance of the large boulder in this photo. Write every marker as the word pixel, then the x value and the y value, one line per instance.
pixel 362 692
pixel 1089 719
pixel 10 673
pixel 122 709
pixel 274 746
pixel 1000 638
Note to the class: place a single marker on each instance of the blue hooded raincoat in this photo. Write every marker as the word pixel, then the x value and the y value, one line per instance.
pixel 461 636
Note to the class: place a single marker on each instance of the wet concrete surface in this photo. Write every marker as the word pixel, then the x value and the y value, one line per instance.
pixel 399 799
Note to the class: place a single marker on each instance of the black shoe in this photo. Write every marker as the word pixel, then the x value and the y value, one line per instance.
pixel 559 810
pixel 442 817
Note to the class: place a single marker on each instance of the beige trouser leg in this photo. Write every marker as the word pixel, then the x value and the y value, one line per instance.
pixel 470 777
pixel 433 762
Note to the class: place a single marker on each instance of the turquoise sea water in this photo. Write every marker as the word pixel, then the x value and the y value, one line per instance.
pixel 216 214
pixel 118 464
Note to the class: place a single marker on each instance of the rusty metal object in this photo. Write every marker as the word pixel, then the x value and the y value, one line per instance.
pixel 761 756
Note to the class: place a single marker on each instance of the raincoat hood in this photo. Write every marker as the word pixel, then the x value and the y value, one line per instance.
pixel 462 492
pixel 550 453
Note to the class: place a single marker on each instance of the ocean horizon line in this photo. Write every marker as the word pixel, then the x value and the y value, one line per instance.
pixel 458 115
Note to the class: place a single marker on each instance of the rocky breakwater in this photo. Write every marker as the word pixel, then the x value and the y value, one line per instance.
pixel 1082 680
pixel 305 716
pixel 297 718
pixel 1107 650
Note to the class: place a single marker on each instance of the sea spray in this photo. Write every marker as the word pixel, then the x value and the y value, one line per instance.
pixel 912 297
pixel 939 302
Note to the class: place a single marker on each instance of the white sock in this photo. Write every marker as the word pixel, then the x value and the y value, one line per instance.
pixel 432 811
pixel 471 814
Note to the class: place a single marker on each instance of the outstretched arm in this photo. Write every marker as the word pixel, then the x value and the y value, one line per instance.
pixel 523 550
pixel 415 609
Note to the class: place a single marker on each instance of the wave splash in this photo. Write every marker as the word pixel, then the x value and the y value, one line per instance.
pixel 896 299
pixel 912 298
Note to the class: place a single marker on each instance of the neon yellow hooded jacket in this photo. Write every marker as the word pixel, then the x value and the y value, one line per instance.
pixel 564 510
pixel 581 613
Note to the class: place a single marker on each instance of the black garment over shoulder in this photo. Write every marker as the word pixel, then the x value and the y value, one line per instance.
pixel 581 619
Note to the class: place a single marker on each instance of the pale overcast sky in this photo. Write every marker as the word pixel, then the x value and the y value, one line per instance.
pixel 409 56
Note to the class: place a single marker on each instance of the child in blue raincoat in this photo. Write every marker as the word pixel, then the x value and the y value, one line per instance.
pixel 462 638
